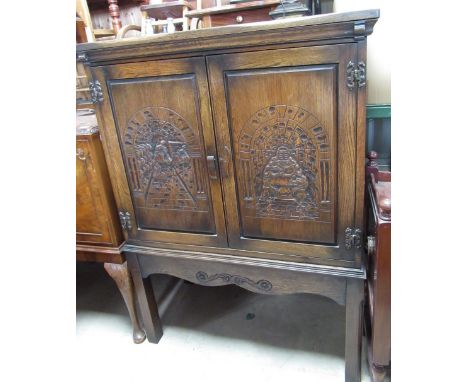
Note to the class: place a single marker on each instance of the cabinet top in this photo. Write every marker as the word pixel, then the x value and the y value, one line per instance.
pixel 333 27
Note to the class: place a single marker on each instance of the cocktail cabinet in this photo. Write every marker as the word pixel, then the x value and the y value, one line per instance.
pixel 237 157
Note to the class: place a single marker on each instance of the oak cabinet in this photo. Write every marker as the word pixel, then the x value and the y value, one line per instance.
pixel 237 157
pixel 250 151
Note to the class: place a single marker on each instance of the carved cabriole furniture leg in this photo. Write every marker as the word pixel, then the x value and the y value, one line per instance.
pixel 119 273
pixel 146 301
pixel 354 308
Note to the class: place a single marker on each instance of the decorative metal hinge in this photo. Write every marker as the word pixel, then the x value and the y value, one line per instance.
pixel 356 74
pixel 82 57
pixel 125 220
pixel 96 91
pixel 353 238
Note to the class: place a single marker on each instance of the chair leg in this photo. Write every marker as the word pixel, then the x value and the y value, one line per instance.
pixel 119 273
pixel 146 301
pixel 354 306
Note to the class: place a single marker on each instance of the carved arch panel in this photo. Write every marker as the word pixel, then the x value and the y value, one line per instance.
pixel 283 127
pixel 162 141
pixel 164 161
pixel 284 159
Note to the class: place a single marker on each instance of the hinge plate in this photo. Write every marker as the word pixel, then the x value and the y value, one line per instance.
pixel 125 220
pixel 353 238
pixel 96 91
pixel 355 74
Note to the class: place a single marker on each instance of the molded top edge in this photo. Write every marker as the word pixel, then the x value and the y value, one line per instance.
pixel 329 18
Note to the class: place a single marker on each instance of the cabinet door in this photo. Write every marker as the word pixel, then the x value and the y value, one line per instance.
pixel 158 130
pixel 285 123
pixel 95 223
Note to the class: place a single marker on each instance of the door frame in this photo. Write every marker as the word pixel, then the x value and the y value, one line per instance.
pixel 345 174
pixel 113 150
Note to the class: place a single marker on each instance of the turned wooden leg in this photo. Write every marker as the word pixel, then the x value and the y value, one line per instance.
pixel 146 301
pixel 354 305
pixel 119 273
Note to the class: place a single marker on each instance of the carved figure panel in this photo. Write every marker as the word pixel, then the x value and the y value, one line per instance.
pixel 283 153
pixel 164 161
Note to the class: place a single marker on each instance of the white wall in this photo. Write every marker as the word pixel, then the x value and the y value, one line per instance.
pixel 378 49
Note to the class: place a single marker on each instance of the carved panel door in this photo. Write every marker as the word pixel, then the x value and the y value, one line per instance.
pixel 158 128
pixel 285 127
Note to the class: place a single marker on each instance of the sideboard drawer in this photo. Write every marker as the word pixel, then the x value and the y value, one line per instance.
pixel 241 17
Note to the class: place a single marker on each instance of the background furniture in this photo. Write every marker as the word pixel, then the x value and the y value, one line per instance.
pixel 378 312
pixel 98 232
pixel 378 134
pixel 232 14
pixel 237 157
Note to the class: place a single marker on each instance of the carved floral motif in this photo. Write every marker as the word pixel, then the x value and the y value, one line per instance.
pixel 225 278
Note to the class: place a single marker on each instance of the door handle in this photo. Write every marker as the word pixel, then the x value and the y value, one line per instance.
pixel 212 166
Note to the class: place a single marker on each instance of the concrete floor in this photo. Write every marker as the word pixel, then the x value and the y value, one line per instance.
pixel 220 331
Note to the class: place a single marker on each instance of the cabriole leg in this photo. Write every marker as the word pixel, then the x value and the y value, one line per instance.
pixel 119 273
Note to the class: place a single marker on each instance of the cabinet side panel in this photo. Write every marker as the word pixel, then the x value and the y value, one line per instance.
pixel 91 222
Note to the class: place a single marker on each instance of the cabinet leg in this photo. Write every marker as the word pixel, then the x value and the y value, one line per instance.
pixel 354 306
pixel 377 373
pixel 146 301
pixel 119 273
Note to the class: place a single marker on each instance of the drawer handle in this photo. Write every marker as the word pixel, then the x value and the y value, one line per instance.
pixel 239 19
pixel 212 167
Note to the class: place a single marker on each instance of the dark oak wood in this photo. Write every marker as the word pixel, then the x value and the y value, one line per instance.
pixel 178 202
pixel 354 310
pixel 268 194
pixel 146 300
pixel 310 30
pixel 378 312
pixel 267 121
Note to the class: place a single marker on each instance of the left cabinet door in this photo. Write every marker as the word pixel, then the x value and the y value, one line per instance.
pixel 159 138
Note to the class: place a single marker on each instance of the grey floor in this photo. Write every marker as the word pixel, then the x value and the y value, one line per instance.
pixel 294 337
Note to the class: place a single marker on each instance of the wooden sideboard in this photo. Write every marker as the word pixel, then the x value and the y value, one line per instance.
pixel 378 302
pixel 237 157
pixel 99 236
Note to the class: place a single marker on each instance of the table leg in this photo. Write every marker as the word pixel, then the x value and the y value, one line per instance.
pixel 354 306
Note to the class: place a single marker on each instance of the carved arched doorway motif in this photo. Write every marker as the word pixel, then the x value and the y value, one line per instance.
pixel 284 164
pixel 164 161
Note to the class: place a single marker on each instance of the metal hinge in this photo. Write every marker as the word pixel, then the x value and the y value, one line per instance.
pixel 96 91
pixel 353 238
pixel 125 220
pixel 356 74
